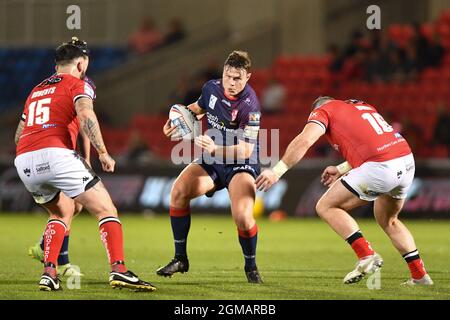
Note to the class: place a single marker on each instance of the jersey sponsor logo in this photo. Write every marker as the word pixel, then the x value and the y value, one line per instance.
pixel 53 80
pixel 42 168
pixel 254 118
pixel 50 125
pixel 214 122
pixel 212 101
pixel 50 81
pixel 247 101
pixel 244 167
pixel 234 113
pixel 27 172
pixel 44 92
pixel 336 147
pixel 390 144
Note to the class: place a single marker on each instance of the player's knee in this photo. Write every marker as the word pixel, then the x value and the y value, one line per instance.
pixel 105 209
pixel 77 208
pixel 180 193
pixel 113 210
pixel 244 222
pixel 387 222
pixel 243 217
pixel 321 208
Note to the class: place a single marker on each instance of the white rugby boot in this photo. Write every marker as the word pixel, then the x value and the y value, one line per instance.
pixel 424 281
pixel 366 265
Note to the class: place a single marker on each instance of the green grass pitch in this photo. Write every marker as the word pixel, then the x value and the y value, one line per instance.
pixel 298 259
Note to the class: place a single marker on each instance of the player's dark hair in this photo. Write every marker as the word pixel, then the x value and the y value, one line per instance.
pixel 320 101
pixel 71 50
pixel 239 60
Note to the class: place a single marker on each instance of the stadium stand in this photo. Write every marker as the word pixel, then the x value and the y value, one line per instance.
pixel 306 77
pixel 29 66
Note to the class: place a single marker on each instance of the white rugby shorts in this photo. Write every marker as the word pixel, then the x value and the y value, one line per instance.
pixel 48 171
pixel 372 179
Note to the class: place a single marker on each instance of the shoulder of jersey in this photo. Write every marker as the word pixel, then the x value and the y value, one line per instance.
pixel 214 82
pixel 76 80
pixel 65 80
pixel 252 94
pixel 332 103
pixel 360 103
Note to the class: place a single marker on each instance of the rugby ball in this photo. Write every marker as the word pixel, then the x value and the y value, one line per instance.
pixel 186 122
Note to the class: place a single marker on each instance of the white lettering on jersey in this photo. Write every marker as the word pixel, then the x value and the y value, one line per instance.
pixel 363 108
pixel 43 92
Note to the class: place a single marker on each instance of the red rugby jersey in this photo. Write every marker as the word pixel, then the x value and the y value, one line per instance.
pixel 359 132
pixel 49 113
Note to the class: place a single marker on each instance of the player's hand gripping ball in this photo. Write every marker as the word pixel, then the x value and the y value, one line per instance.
pixel 185 122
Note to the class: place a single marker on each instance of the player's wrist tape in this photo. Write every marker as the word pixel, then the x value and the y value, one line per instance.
pixel 280 168
pixel 344 167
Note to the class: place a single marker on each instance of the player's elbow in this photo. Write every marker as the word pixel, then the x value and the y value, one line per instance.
pixel 84 114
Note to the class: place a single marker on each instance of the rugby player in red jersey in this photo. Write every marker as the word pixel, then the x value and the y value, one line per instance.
pixel 64 267
pixel 56 175
pixel 380 167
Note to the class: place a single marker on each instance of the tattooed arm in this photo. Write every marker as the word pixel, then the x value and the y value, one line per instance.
pixel 19 131
pixel 85 146
pixel 91 128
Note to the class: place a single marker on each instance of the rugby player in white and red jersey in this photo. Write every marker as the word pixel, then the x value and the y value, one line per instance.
pixel 56 175
pixel 64 266
pixel 380 167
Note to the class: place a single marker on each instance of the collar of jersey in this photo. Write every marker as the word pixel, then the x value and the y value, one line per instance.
pixel 230 97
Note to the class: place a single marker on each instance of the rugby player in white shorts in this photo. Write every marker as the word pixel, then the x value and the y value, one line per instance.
pixel 64 267
pixel 379 168
pixel 57 176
